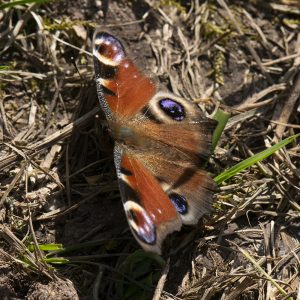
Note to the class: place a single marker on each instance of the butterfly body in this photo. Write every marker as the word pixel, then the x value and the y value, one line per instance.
pixel 160 142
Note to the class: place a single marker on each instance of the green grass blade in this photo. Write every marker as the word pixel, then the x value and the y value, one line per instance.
pixel 57 260
pixel 252 160
pixel 222 118
pixel 46 247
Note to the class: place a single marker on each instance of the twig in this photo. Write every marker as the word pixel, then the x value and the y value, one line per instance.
pixel 256 97
pixel 6 234
pixel 12 184
pixel 160 285
pixel 285 8
pixel 248 45
pixel 52 139
pixel 288 108
pixel 262 271
pixel 281 59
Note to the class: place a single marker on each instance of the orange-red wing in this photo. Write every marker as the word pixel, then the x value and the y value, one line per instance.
pixel 150 212
pixel 122 87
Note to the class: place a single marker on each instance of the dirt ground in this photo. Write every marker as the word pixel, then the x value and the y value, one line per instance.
pixel 57 179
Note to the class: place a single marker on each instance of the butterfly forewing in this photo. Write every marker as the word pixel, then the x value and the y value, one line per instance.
pixel 116 75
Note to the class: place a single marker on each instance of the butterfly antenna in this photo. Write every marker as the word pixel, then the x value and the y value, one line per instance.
pixel 75 66
pixel 105 6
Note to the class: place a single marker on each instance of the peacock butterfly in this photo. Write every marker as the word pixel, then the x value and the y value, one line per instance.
pixel 161 140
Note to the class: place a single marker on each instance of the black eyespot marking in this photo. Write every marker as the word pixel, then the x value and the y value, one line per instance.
pixel 107 72
pixel 173 109
pixel 179 202
pixel 107 91
pixel 104 71
pixel 125 172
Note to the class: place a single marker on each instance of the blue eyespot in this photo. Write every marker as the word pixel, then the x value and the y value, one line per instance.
pixel 179 202
pixel 173 109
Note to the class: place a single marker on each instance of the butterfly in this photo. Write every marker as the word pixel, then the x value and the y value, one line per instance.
pixel 161 141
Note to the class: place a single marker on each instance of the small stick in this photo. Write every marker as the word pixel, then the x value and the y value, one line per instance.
pixel 288 107
pixel 52 139
pixel 161 283
pixel 248 45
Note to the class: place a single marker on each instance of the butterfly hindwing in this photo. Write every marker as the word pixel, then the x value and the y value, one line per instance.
pixel 150 213
pixel 189 188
